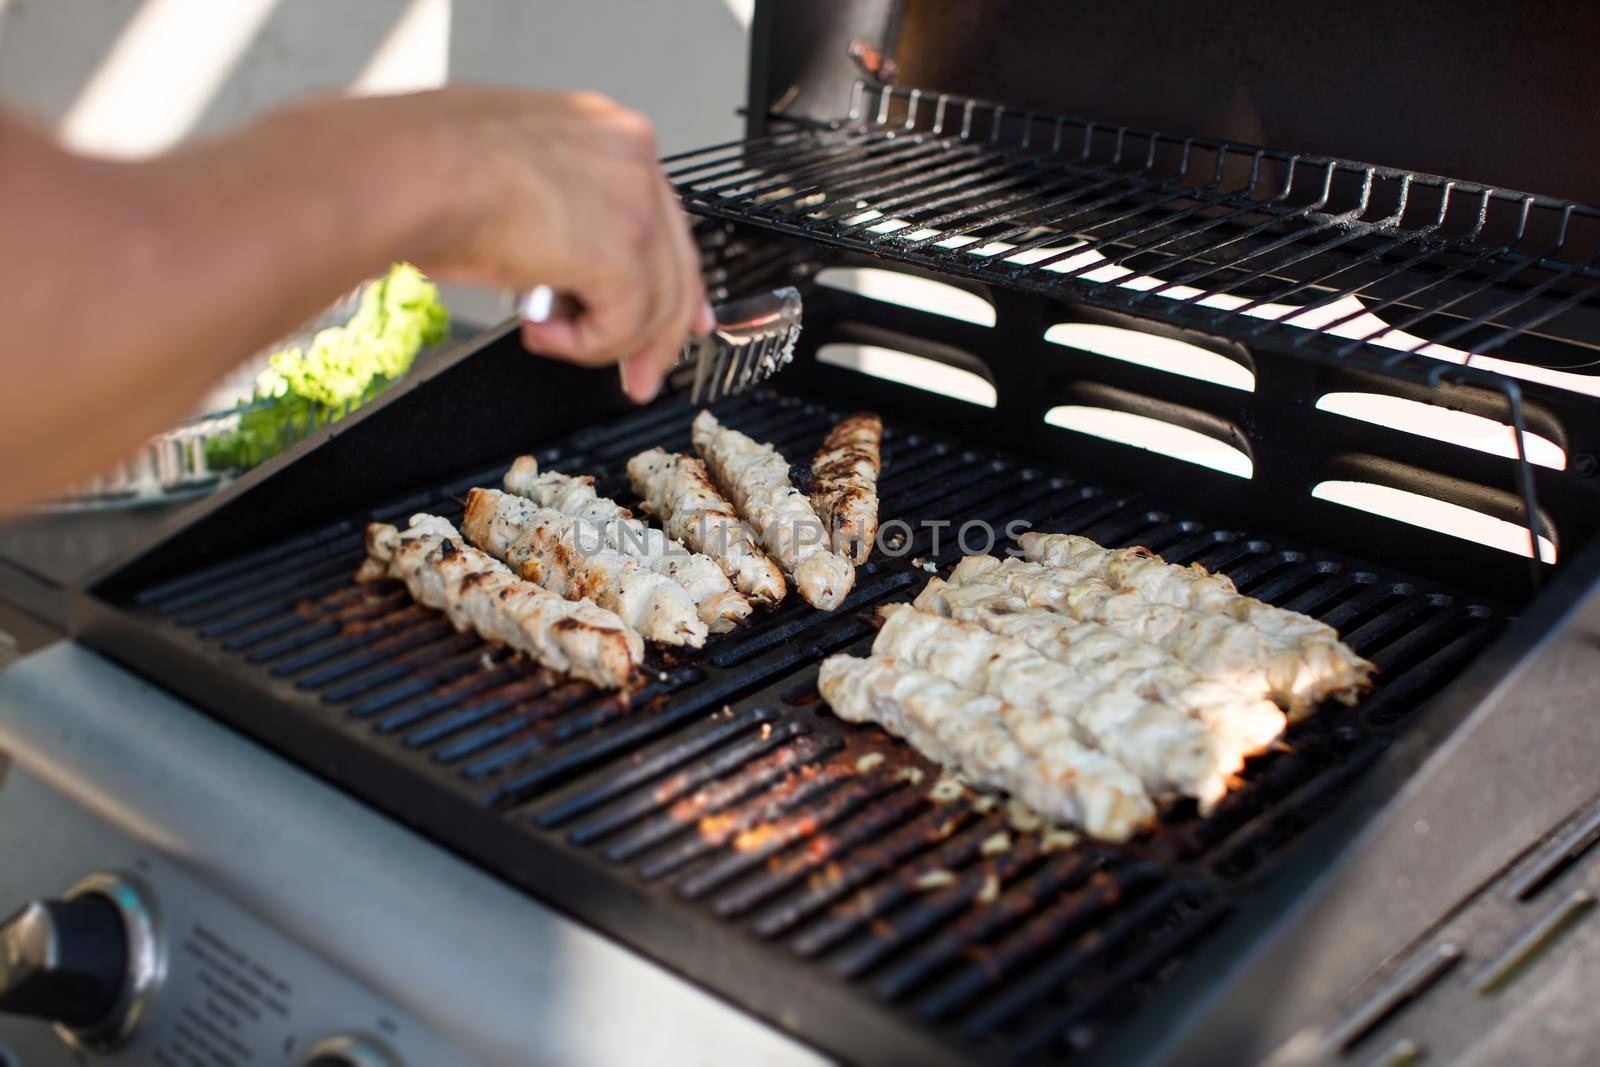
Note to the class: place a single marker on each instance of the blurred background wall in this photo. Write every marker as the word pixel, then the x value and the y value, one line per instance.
pixel 133 77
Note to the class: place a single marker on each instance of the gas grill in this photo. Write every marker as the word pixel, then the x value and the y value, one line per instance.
pixel 1344 901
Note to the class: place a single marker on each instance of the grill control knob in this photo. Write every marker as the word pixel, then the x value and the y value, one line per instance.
pixel 349 1050
pixel 63 960
pixel 88 962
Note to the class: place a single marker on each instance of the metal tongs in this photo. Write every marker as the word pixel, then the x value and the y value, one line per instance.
pixel 754 338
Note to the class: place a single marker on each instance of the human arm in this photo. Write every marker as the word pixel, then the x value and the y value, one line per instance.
pixel 128 287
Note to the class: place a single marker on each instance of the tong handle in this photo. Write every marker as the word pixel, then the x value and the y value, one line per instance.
pixel 754 325
pixel 544 304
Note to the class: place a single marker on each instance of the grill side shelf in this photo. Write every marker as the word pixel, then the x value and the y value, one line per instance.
pixel 724 806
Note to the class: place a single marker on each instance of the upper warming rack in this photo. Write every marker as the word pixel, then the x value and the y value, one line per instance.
pixel 1412 275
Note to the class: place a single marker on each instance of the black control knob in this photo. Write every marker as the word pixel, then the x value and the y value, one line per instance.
pixel 92 961
pixel 64 960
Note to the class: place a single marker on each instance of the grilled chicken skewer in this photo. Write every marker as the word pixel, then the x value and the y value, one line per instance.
pixel 1197 589
pixel 568 557
pixel 721 606
pixel 756 479
pixel 1062 780
pixel 845 487
pixel 1214 646
pixel 1170 752
pixel 480 593
pixel 1099 654
pixel 677 491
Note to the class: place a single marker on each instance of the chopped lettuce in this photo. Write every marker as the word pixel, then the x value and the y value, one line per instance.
pixel 343 367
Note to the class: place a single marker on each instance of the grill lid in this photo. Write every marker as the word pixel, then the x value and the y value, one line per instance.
pixel 1496 93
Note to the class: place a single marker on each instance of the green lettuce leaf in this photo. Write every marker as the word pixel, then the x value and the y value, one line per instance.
pixel 342 368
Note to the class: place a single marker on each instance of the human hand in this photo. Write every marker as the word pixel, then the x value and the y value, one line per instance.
pixel 563 190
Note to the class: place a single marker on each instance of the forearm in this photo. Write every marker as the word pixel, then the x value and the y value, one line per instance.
pixel 126 288
pixel 130 287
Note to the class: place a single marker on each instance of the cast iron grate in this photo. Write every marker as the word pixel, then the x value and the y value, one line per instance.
pixel 723 807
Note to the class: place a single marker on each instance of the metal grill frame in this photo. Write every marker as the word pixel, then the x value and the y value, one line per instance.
pixel 955 168
pixel 407 440
pixel 835 1014
pixel 412 437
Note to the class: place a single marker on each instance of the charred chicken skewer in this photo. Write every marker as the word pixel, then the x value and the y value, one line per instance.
pixel 568 557
pixel 480 593
pixel 756 479
pixel 844 489
pixel 1062 780
pixel 1099 654
pixel 721 606
pixel 1171 752
pixel 677 491
pixel 1213 645
pixel 1196 589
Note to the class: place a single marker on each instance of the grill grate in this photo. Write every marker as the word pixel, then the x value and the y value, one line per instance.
pixel 1408 275
pixel 1248 242
pixel 722 806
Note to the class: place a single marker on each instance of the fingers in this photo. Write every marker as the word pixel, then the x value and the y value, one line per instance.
pixel 705 320
pixel 644 311
pixel 581 205
pixel 560 338
pixel 685 306
pixel 622 289
pixel 640 380
pixel 693 290
pixel 643 317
